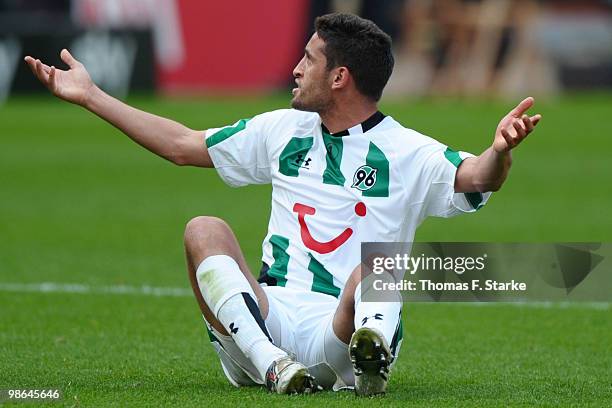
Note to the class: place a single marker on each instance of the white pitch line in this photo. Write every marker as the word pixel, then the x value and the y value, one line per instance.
pixel 52 287
pixel 145 290
pixel 542 304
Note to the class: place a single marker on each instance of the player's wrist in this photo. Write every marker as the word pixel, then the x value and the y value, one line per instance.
pixel 91 97
pixel 502 156
pixel 500 148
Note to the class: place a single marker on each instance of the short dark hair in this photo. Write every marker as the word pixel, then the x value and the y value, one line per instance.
pixel 361 46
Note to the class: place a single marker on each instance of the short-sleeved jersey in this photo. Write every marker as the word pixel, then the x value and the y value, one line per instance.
pixel 375 182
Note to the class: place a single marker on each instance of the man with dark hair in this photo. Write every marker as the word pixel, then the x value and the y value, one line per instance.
pixel 360 46
pixel 343 173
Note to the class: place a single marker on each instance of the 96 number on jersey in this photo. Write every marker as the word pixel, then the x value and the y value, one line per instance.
pixel 364 178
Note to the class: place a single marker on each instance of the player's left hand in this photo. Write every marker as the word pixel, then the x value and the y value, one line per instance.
pixel 515 127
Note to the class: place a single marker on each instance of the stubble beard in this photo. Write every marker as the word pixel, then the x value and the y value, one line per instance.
pixel 316 103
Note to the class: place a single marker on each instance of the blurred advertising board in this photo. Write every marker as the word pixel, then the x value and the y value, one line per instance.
pixel 119 61
pixel 211 45
pixel 250 46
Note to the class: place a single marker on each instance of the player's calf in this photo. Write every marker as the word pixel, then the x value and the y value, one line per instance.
pixel 228 298
pixel 232 301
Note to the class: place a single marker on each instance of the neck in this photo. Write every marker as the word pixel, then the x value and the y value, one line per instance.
pixel 338 119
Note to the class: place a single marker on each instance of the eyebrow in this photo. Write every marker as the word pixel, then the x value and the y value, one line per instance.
pixel 307 53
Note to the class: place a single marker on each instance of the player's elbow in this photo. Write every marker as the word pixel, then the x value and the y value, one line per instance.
pixel 495 186
pixel 492 182
pixel 178 158
pixel 199 158
pixel 188 150
pixel 489 185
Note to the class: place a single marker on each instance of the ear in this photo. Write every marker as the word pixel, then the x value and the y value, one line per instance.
pixel 341 77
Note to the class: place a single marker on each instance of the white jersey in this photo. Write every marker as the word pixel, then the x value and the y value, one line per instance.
pixel 375 182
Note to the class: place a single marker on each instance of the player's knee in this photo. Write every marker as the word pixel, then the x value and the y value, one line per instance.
pixel 204 228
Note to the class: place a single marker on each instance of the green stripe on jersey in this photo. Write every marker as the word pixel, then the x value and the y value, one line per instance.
pixel 377 160
pixel 333 157
pixel 322 281
pixel 475 199
pixel 278 270
pixel 294 155
pixel 453 157
pixel 226 133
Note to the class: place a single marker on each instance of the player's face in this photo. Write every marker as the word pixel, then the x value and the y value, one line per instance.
pixel 313 91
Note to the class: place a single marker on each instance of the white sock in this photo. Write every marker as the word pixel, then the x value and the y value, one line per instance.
pixel 382 316
pixel 230 297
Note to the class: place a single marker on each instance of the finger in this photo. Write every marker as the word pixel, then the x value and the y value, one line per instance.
pixel 535 119
pixel 522 107
pixel 509 139
pixel 527 123
pixel 31 64
pixel 52 77
pixel 68 59
pixel 45 67
pixel 520 131
pixel 40 73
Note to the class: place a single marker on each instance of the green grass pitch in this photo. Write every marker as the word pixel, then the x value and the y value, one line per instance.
pixel 81 204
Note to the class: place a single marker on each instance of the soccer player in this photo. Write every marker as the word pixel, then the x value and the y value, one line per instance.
pixel 342 173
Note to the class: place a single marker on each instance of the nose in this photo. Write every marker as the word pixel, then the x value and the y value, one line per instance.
pixel 298 72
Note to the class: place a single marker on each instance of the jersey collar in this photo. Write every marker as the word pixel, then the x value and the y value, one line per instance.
pixel 363 127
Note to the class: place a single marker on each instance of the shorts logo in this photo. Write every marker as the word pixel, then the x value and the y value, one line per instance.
pixel 364 178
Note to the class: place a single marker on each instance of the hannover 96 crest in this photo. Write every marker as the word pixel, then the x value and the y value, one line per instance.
pixel 364 178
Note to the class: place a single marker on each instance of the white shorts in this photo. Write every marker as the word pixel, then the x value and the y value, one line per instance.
pixel 300 323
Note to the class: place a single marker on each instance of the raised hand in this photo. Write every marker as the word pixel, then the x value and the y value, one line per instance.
pixel 515 127
pixel 74 85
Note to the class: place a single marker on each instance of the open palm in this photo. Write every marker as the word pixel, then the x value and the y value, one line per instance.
pixel 73 85
pixel 515 126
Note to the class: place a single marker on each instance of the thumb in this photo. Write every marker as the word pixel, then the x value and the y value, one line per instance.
pixel 68 58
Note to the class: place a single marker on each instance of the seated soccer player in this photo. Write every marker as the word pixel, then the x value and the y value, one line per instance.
pixel 342 173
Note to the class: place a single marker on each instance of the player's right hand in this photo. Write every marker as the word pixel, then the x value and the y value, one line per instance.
pixel 74 85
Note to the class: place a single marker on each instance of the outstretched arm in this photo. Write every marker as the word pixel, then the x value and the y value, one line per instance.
pixel 164 137
pixel 488 171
